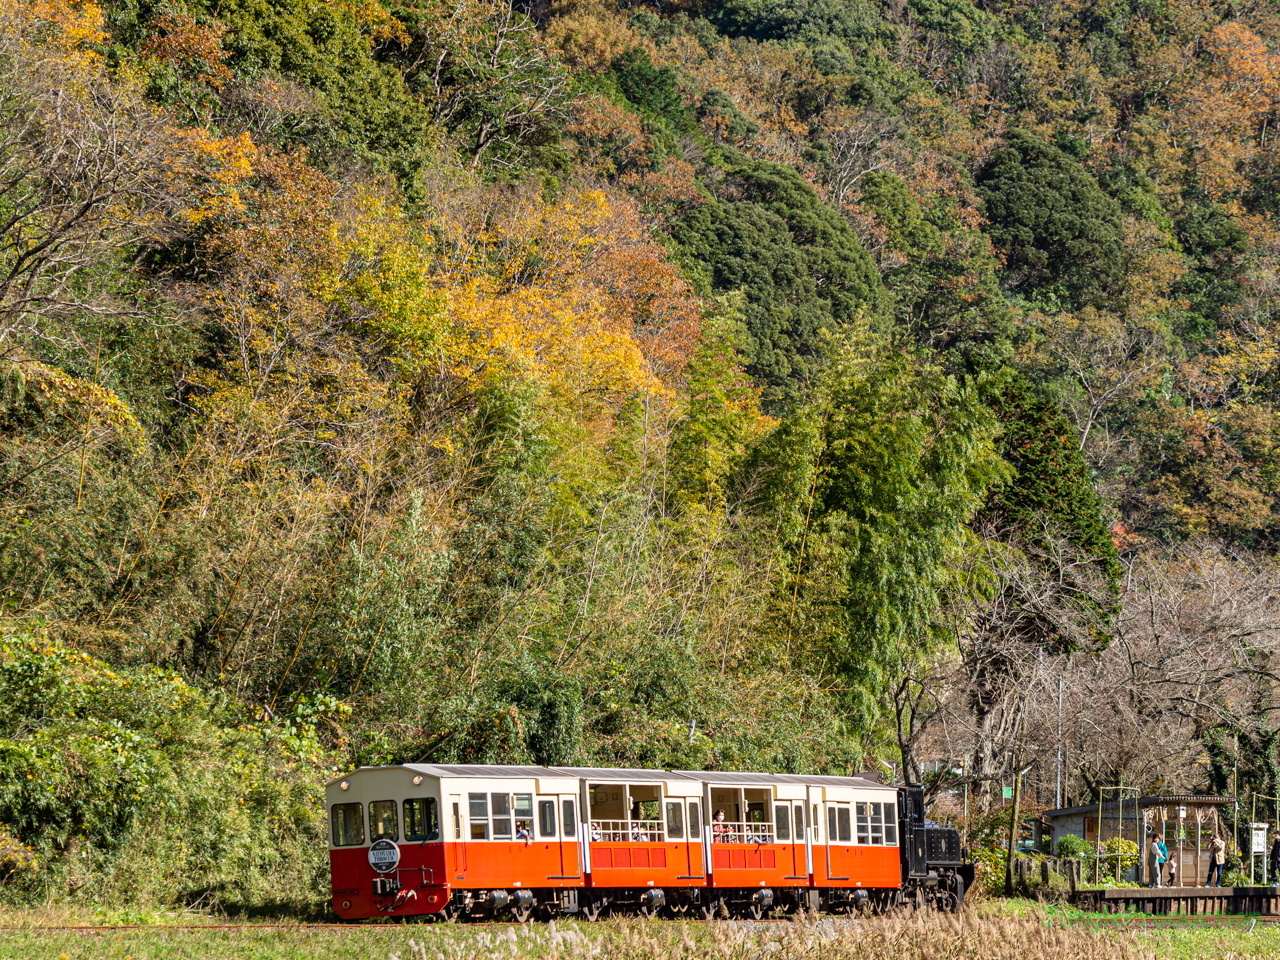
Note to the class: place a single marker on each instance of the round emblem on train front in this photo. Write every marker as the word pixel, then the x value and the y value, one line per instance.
pixel 384 856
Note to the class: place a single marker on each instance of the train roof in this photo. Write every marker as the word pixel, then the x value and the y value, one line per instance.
pixel 488 771
pixel 820 781
pixel 734 778
pixel 621 774
pixel 607 774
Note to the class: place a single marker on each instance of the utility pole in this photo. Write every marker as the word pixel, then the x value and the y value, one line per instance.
pixel 1057 790
pixel 1013 830
pixel 1013 835
pixel 1235 786
pixel 1097 860
pixel 1120 829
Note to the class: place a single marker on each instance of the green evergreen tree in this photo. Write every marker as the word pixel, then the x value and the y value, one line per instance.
pixel 1051 479
pixel 1052 220
pixel 799 265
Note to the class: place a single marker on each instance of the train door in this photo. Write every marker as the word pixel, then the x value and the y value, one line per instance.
pixel 454 828
pixel 798 868
pixel 839 840
pixel 570 848
pixel 697 860
pixel 684 832
pixel 812 834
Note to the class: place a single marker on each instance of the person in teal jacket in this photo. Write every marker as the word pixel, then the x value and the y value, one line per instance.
pixel 1155 863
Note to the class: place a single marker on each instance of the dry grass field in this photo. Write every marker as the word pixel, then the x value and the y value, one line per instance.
pixel 977 935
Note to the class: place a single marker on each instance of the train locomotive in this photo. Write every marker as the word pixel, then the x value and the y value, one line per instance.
pixel 515 842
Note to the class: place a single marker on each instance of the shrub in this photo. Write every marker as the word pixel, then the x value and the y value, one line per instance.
pixel 1127 851
pixel 1074 847
pixel 15 856
pixel 989 870
pixel 139 788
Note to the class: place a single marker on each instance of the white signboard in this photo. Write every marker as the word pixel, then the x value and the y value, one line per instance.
pixel 1258 842
pixel 384 856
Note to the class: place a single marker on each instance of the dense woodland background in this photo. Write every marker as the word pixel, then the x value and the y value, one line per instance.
pixel 798 386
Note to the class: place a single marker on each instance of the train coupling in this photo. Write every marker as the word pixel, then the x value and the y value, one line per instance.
pixel 385 886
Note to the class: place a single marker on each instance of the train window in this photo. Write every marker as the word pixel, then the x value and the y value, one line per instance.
pixel 570 822
pixel 864 825
pixel 346 821
pixel 421 819
pixel 846 830
pixel 457 823
pixel 501 803
pixel 695 821
pixel 877 825
pixel 799 821
pixel 523 804
pixel 675 820
pixel 831 823
pixel 890 826
pixel 382 820
pixel 547 819
pixel 817 825
pixel 479 809
pixel 782 821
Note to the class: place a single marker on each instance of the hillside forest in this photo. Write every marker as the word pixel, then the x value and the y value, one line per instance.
pixel 809 386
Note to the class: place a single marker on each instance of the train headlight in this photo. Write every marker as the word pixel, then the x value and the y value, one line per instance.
pixel 417 780
pixel 344 785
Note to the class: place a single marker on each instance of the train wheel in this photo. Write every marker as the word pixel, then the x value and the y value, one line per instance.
pixel 521 914
pixel 709 910
pixel 676 910
pixel 957 894
pixel 591 911
pixel 754 911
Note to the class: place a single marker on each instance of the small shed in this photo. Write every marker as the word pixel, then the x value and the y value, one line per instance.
pixel 1186 821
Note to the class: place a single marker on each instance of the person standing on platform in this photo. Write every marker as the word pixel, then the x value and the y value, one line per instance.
pixel 1217 857
pixel 1275 861
pixel 1155 863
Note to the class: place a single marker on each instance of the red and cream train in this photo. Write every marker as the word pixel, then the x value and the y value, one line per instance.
pixel 511 841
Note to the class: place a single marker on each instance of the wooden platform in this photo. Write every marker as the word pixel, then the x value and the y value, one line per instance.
pixel 1182 901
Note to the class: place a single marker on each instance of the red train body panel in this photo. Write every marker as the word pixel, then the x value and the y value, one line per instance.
pixel 485 840
pixel 742 865
pixel 626 864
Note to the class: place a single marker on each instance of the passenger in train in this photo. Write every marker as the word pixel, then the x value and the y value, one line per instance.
pixel 720 831
pixel 522 832
pixel 595 831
